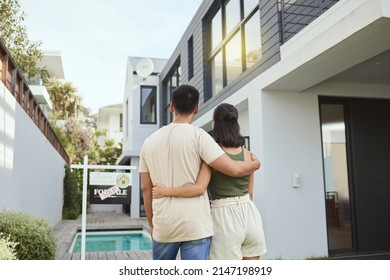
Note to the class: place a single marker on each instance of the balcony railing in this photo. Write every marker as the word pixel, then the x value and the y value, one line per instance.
pixel 296 14
pixel 14 81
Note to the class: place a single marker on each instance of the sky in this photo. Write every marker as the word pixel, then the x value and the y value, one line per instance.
pixel 95 37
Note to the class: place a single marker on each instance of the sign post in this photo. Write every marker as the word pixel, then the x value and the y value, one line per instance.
pixel 85 168
pixel 84 209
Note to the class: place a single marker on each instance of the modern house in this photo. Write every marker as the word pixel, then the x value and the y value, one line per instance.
pixel 52 66
pixel 141 105
pixel 32 158
pixel 311 82
pixel 110 120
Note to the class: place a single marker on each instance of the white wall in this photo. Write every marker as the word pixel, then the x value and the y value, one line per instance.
pixel 286 136
pixel 114 131
pixel 31 170
pixel 287 139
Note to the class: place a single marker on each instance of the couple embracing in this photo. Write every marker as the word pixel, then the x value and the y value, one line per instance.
pixel 182 168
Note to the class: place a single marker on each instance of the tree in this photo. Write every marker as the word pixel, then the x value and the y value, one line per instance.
pixel 103 153
pixel 79 138
pixel 13 33
pixel 63 97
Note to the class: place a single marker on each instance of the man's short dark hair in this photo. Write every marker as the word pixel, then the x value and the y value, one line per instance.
pixel 185 98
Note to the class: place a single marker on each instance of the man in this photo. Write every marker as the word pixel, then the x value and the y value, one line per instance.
pixel 172 156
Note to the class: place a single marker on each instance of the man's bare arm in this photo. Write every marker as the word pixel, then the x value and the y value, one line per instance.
pixel 147 187
pixel 235 168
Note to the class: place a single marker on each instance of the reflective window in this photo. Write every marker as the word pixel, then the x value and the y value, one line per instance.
pixel 217 74
pixel 148 105
pixel 216 30
pixel 233 58
pixel 252 41
pixel 233 17
pixel 228 58
pixel 170 84
pixel 249 6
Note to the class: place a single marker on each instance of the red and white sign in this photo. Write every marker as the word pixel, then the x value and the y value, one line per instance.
pixel 109 192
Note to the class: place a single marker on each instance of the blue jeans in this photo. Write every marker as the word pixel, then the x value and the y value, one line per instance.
pixel 189 250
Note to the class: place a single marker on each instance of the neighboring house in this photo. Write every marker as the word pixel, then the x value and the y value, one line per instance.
pixel 32 158
pixel 51 62
pixel 141 111
pixel 110 120
pixel 311 82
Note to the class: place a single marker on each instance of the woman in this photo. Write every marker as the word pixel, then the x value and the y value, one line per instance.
pixel 238 231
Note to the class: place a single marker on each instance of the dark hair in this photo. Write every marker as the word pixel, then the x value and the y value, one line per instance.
pixel 185 98
pixel 226 131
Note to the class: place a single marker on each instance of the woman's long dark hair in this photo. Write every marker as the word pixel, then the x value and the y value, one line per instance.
pixel 226 131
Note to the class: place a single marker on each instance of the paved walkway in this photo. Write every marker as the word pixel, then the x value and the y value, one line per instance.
pixel 67 229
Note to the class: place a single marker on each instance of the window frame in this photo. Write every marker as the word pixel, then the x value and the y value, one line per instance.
pixel 168 90
pixel 226 38
pixel 155 107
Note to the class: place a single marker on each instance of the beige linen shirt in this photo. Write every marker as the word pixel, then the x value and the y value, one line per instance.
pixel 172 156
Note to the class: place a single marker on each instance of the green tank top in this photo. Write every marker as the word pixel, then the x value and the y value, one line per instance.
pixel 223 186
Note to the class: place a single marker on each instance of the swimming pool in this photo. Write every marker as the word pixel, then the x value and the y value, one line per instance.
pixel 112 241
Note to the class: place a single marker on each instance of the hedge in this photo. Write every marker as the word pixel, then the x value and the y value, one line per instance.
pixel 34 236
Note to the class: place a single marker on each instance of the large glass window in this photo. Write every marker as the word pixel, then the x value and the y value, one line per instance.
pixel 233 17
pixel 235 41
pixel 170 84
pixel 252 41
pixel 148 105
pixel 216 30
pixel 249 6
pixel 233 58
pixel 217 75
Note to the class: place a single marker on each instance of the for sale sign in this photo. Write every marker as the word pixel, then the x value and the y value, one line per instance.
pixel 110 188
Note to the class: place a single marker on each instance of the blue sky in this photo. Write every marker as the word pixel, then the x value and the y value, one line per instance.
pixel 95 37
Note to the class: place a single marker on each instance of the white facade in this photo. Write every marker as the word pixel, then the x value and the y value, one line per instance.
pixel 283 119
pixel 52 63
pixel 31 170
pixel 110 121
pixel 134 131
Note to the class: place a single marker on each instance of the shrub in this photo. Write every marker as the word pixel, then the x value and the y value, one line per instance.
pixel 7 248
pixel 35 238
pixel 70 214
pixel 72 196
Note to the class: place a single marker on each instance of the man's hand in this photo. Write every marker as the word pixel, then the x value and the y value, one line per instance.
pixel 255 160
pixel 159 191
pixel 253 156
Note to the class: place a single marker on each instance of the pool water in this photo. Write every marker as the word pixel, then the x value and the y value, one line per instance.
pixel 113 241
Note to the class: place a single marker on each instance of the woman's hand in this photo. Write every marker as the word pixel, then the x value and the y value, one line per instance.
pixel 159 191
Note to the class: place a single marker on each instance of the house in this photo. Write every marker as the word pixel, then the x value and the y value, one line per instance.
pixel 311 82
pixel 140 110
pixel 110 120
pixel 52 66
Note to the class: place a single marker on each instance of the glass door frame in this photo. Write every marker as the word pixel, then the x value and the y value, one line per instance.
pixel 349 158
